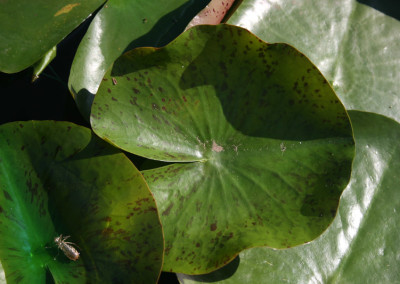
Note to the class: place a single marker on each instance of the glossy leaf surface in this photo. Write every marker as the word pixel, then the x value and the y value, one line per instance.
pixel 39 66
pixel 120 26
pixel 29 29
pixel 2 275
pixel 59 178
pixel 270 144
pixel 212 14
pixel 355 46
pixel 362 244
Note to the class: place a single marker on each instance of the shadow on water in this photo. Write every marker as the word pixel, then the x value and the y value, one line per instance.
pixel 388 7
pixel 218 275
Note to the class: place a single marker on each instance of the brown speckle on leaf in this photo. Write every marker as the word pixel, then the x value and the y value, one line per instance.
pixel 106 219
pixel 168 210
pixel 7 195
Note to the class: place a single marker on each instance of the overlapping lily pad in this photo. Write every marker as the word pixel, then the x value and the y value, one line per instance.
pixel 58 178
pixel 29 29
pixel 120 26
pixel 355 46
pixel 270 144
pixel 212 14
pixel 362 244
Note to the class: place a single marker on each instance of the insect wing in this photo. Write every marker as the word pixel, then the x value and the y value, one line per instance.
pixel 70 251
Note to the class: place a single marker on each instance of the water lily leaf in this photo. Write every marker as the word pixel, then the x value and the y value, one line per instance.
pixel 29 29
pixel 2 275
pixel 58 178
pixel 39 66
pixel 212 14
pixel 355 46
pixel 120 26
pixel 362 244
pixel 270 144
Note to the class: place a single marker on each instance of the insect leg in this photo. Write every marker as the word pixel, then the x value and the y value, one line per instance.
pixel 66 237
pixel 72 244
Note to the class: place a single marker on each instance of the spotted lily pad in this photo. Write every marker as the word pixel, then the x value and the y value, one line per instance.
pixel 59 178
pixel 361 245
pixel 120 26
pixel 267 144
pixel 355 46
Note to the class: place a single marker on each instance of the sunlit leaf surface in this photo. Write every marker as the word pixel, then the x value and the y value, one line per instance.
pixel 270 144
pixel 120 26
pixel 362 244
pixel 355 46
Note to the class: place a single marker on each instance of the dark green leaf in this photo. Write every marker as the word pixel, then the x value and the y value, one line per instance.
pixel 270 143
pixel 120 26
pixel 29 29
pixel 362 244
pixel 58 178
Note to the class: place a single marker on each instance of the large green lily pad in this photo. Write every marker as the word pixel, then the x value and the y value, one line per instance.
pixel 270 144
pixel 355 46
pixel 29 29
pixel 362 244
pixel 2 275
pixel 120 26
pixel 59 178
